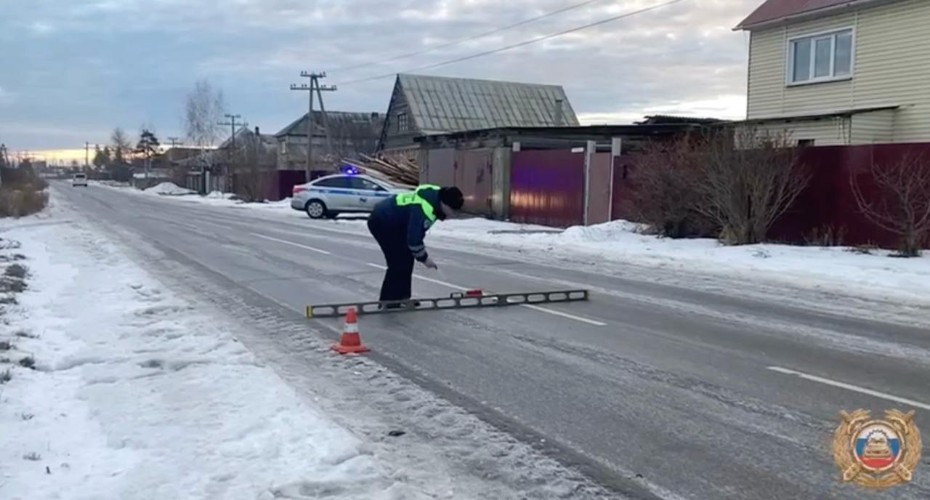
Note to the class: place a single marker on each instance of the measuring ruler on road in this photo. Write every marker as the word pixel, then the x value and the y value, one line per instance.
pixel 461 300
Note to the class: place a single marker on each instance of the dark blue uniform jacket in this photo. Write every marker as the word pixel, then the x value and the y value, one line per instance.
pixel 409 219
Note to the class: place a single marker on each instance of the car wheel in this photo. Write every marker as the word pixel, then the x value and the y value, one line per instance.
pixel 315 209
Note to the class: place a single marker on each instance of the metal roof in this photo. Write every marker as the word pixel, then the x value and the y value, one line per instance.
pixel 589 132
pixel 845 113
pixel 442 104
pixel 782 10
pixel 337 120
pixel 246 133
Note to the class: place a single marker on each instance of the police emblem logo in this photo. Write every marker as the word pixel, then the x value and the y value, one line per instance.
pixel 877 454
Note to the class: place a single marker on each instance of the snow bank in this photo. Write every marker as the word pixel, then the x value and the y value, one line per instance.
pixel 137 394
pixel 219 195
pixel 169 188
pixel 832 267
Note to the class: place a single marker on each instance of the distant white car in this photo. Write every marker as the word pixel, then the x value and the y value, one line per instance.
pixel 344 193
pixel 79 180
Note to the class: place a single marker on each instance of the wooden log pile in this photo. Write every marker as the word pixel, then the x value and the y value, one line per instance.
pixel 397 170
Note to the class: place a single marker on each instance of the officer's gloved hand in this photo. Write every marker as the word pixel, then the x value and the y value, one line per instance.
pixel 430 264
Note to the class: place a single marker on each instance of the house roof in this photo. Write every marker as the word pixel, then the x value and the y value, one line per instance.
pixel 444 104
pixel 337 120
pixel 248 133
pixel 773 11
pixel 671 119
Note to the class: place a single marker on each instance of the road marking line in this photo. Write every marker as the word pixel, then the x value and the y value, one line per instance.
pixel 291 243
pixel 850 387
pixel 424 278
pixel 565 315
pixel 530 306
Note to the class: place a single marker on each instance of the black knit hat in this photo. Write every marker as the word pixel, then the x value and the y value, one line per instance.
pixel 452 196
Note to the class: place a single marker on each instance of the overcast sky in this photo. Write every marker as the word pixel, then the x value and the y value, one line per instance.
pixel 75 69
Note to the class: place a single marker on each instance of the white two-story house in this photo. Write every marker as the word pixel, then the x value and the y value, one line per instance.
pixel 841 72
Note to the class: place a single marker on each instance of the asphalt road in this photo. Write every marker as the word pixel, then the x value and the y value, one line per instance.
pixel 702 395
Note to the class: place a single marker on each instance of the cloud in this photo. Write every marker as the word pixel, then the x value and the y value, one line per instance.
pixel 121 63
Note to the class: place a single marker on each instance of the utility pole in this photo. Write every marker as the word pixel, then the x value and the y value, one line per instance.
pixel 314 86
pixel 86 156
pixel 232 146
pixel 232 124
pixel 174 142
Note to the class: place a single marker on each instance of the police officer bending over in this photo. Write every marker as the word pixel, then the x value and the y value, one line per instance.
pixel 400 223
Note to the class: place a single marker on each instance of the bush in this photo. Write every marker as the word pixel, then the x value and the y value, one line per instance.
pixel 22 192
pixel 900 200
pixel 728 183
pixel 665 197
pixel 22 202
pixel 749 178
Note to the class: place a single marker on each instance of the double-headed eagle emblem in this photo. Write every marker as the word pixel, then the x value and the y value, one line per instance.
pixel 877 454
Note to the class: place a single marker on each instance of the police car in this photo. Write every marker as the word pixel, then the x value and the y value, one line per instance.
pixel 343 193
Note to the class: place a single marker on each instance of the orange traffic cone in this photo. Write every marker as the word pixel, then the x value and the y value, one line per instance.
pixel 351 341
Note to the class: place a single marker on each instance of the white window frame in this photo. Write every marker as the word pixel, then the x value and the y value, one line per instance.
pixel 789 69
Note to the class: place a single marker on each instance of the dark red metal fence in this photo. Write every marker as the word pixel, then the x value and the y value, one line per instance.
pixel 826 211
pixel 547 188
pixel 623 188
pixel 828 204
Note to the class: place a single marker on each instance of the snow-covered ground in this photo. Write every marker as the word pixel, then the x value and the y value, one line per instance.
pixel 824 268
pixel 137 393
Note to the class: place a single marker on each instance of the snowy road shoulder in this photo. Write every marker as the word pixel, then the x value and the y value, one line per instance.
pixel 135 393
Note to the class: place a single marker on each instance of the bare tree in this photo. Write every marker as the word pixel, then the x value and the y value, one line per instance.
pixel 203 112
pixel 901 200
pixel 254 165
pixel 665 196
pixel 749 179
pixel 122 146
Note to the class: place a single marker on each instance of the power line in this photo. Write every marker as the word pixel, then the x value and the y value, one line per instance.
pixel 515 45
pixel 470 38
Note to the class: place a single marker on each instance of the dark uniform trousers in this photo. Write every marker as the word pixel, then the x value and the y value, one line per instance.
pixel 398 279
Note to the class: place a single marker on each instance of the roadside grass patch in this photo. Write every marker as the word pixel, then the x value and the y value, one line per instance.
pixel 16 271
pixel 6 244
pixel 12 285
pixel 23 196
pixel 28 362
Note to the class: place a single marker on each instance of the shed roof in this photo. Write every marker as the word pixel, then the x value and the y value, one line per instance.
pixel 444 104
pixel 780 10
pixel 337 120
pixel 556 134
pixel 246 133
